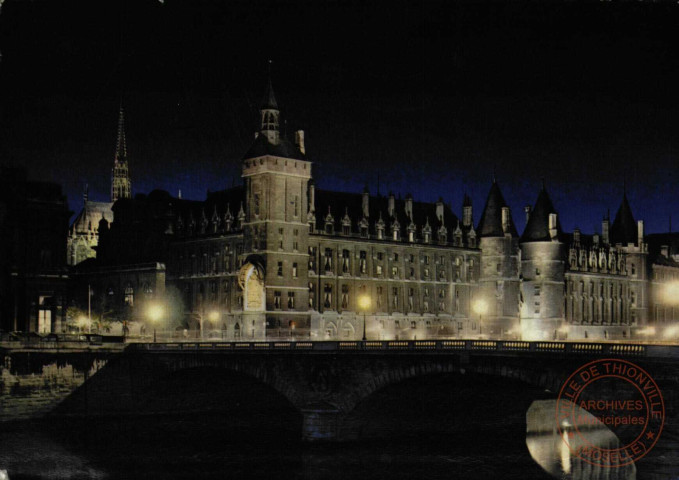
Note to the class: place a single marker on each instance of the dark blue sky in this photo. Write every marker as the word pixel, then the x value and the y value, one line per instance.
pixel 432 96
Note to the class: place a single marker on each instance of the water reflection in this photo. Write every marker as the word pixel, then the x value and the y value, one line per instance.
pixel 553 451
pixel 32 455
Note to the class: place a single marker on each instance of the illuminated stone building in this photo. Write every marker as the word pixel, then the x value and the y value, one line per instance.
pixel 277 257
pixel 319 251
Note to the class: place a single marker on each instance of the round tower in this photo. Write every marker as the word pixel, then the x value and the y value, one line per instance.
pixel 542 272
pixel 498 294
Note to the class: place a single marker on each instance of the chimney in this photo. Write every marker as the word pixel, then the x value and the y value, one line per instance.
pixel 439 209
pixel 576 235
pixel 605 224
pixel 365 202
pixel 391 206
pixel 527 210
pixel 595 239
pixel 467 216
pixel 552 226
pixel 179 194
pixel 409 206
pixel 312 197
pixel 665 251
pixel 299 141
pixel 640 231
pixel 505 219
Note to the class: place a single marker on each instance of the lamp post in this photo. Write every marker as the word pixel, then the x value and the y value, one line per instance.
pixel 154 312
pixel 364 303
pixel 480 307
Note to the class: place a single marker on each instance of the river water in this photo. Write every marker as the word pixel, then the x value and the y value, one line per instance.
pixel 440 428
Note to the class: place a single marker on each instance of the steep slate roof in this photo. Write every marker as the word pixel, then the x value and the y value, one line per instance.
pixel 352 204
pixel 537 228
pixel 285 148
pixel 624 228
pixel 490 224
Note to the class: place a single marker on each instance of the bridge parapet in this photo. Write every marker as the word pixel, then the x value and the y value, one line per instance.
pixel 510 347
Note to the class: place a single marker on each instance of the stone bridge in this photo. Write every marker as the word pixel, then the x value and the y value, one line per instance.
pixel 324 381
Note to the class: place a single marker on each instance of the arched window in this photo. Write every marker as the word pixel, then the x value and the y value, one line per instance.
pixel 129 295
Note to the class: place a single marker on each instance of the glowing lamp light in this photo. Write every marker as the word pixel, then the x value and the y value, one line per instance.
pixel 364 302
pixel 647 331
pixel 672 332
pixel 154 312
pixel 83 321
pixel 213 316
pixel 480 307
pixel 671 293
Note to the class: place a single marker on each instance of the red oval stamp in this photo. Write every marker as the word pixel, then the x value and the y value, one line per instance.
pixel 610 412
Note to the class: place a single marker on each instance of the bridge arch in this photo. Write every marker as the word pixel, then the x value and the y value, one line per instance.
pixel 370 398
pixel 384 373
pixel 257 369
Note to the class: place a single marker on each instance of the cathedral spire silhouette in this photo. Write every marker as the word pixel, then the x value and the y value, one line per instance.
pixel 121 186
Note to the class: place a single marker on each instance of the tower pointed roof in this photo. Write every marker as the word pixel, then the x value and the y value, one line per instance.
pixel 121 145
pixel 624 228
pixel 537 228
pixel 269 100
pixel 490 224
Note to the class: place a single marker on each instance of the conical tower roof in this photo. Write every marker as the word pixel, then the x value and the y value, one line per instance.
pixel 491 218
pixel 624 228
pixel 269 101
pixel 537 228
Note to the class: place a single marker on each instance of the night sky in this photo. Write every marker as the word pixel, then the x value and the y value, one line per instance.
pixel 432 96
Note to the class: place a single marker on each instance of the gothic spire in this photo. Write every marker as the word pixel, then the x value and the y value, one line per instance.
pixel 270 115
pixel 121 146
pixel 121 186
pixel 269 101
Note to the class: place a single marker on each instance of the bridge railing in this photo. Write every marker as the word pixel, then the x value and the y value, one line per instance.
pixel 507 347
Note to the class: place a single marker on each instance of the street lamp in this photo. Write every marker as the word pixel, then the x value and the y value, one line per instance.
pixel 83 322
pixel 213 316
pixel 670 293
pixel 364 304
pixel 480 307
pixel 154 312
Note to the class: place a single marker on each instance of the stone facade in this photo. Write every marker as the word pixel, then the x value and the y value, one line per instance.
pixel 277 257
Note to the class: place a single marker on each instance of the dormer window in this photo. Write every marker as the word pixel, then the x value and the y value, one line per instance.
pixel 329 223
pixel 443 235
pixel 395 231
pixel 363 227
pixel 346 229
